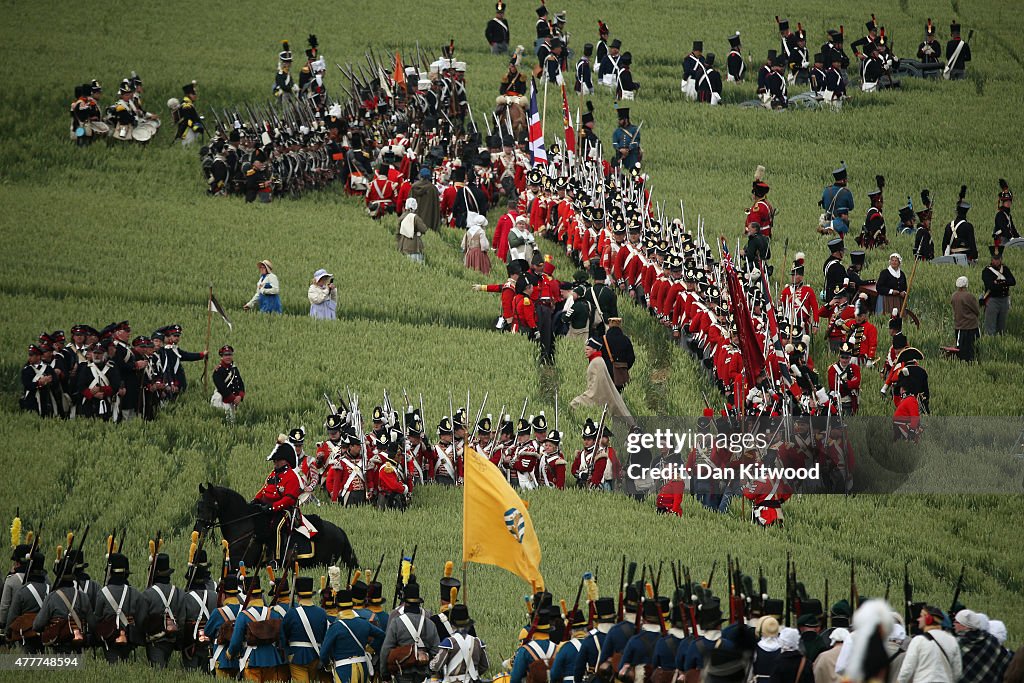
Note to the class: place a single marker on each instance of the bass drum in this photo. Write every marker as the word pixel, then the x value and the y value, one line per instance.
pixel 142 133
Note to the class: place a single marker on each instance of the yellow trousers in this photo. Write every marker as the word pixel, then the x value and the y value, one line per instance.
pixel 307 673
pixel 260 674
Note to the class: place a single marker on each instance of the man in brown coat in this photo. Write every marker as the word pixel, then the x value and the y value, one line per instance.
pixel 966 313
pixel 427 199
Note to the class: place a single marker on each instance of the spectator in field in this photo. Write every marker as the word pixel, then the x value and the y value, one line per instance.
pixel 268 290
pixel 933 656
pixel 998 279
pixel 411 229
pixel 475 245
pixel 966 313
pixel 984 658
pixel 323 296
pixel 892 285
pixel 427 200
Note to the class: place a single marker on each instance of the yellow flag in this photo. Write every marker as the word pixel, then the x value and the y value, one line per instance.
pixel 496 528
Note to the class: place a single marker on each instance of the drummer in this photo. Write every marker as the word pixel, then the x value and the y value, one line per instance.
pixel 122 112
pixel 140 111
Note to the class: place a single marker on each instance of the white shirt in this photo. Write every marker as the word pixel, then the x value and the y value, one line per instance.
pixel 925 663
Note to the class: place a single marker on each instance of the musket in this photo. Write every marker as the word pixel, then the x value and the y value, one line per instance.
pixel 828 608
pixel 853 586
pixel 380 565
pixel 908 594
pixel 398 579
pixel 332 409
pixel 956 592
pixel 32 551
pixel 711 576
pixel 789 587
pixel 575 606
pixel 479 415
pixel 622 579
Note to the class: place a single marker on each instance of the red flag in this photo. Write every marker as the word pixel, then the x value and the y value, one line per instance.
pixel 570 135
pixel 399 76
pixel 753 354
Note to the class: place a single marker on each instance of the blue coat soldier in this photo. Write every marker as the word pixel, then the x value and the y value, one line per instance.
pixel 344 647
pixel 162 613
pixel 303 630
pixel 837 201
pixel 592 645
pixel 711 639
pixel 537 650
pixel 220 627
pixel 563 670
pixel 173 357
pixel 256 636
pixel 666 652
pixel 621 632
pixel 626 141
pixel 638 656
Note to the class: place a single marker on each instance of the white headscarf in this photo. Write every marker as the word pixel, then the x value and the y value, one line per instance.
pixel 789 639
pixel 895 273
pixel 998 629
pixel 411 204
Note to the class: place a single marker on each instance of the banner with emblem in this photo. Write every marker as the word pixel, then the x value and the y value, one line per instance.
pixel 496 526
pixel 538 154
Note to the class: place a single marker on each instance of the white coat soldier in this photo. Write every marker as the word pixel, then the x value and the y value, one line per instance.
pixel 230 389
pixel 461 657
pixel 323 296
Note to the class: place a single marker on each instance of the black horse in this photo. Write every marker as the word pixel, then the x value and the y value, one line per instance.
pixel 237 518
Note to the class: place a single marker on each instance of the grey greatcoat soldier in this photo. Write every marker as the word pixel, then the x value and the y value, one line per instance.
pixel 200 602
pixel 410 639
pixel 161 613
pixel 66 616
pixel 26 604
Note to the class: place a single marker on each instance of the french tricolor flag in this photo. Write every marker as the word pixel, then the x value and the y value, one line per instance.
pixel 537 152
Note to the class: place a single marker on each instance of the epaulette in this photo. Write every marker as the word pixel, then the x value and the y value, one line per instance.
pixel 528 301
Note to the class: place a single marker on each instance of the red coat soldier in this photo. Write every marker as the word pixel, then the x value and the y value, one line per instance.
pixel 552 465
pixel 279 497
pixel 844 377
pixel 797 301
pixel 447 468
pixel 761 212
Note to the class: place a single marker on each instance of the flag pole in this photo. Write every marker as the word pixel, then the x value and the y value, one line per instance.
pixel 544 109
pixel 209 330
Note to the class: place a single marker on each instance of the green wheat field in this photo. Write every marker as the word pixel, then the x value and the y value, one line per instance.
pixel 102 233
